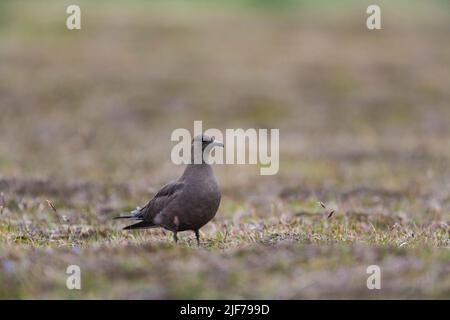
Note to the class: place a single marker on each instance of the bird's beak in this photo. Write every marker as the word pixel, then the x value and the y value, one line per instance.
pixel 217 143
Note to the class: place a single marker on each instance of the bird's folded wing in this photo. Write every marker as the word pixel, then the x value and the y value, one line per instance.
pixel 161 200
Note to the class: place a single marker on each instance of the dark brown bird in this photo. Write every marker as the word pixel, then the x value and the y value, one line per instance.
pixel 186 204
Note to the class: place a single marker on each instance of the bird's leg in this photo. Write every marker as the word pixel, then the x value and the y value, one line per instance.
pixel 197 235
pixel 175 237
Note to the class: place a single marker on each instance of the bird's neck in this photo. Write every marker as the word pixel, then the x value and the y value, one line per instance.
pixel 197 170
pixel 198 156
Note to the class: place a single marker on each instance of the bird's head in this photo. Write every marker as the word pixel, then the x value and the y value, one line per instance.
pixel 202 146
pixel 206 142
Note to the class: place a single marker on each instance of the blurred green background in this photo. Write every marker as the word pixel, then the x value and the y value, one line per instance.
pixel 87 103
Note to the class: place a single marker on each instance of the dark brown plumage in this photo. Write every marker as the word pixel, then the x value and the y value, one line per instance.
pixel 186 204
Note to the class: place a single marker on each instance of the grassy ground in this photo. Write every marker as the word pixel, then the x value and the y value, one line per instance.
pixel 85 123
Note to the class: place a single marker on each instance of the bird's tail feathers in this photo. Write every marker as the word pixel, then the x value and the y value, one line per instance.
pixel 124 217
pixel 140 225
